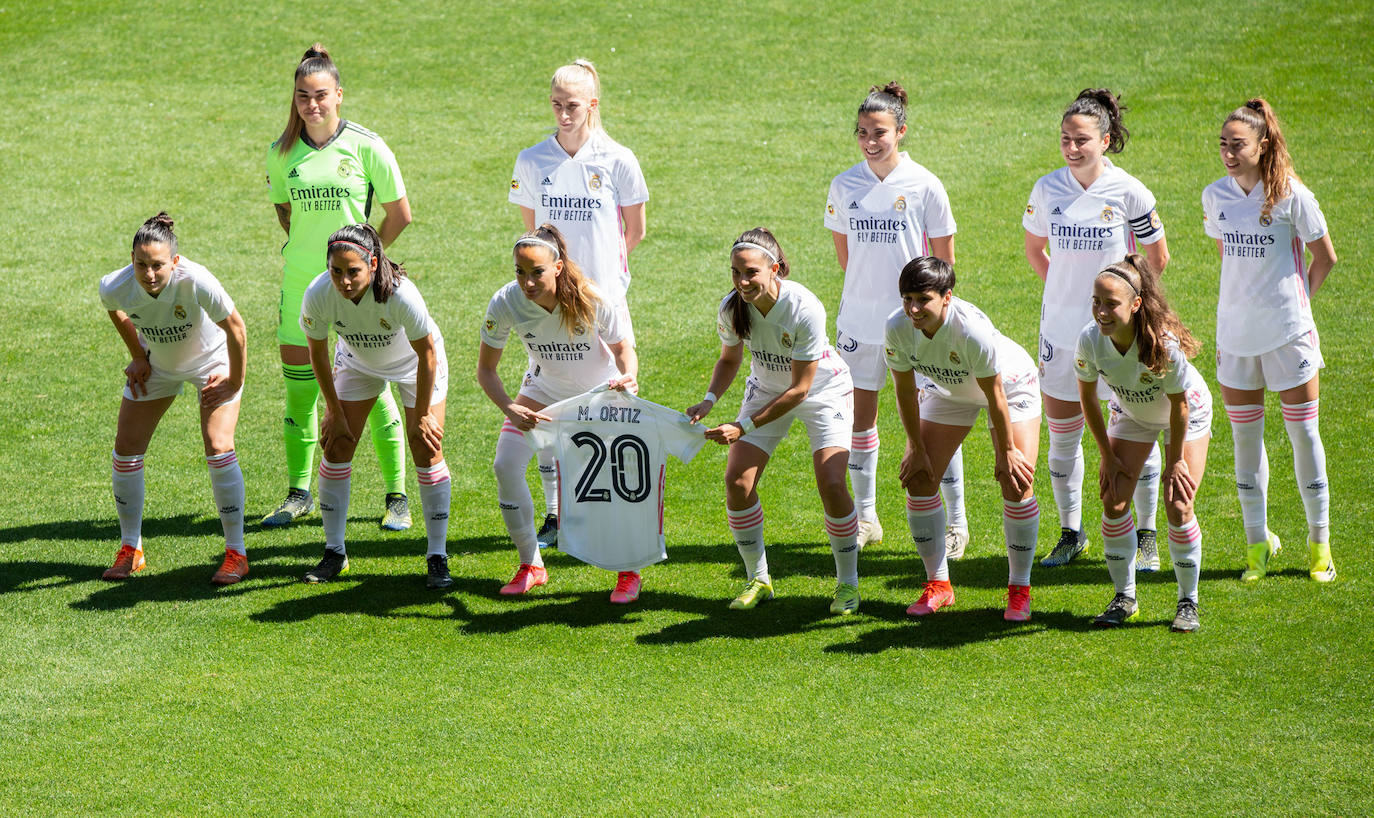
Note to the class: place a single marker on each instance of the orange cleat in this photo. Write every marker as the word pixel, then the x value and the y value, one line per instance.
pixel 127 561
pixel 233 569
pixel 1018 603
pixel 626 588
pixel 938 594
pixel 526 577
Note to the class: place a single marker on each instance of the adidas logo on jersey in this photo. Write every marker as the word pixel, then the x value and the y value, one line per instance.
pixel 853 205
pixel 293 174
pixel 1304 364
pixel 546 181
pixel 529 335
pixel 339 324
pixel 133 315
pixel 1056 211
pixel 1221 217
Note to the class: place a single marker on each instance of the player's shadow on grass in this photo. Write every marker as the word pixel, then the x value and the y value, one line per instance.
pixel 956 628
pixel 106 530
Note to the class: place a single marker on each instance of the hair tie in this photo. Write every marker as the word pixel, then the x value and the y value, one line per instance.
pixel 541 243
pixel 368 254
pixel 1123 277
pixel 754 246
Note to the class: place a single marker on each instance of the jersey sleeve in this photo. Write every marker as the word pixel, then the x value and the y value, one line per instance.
pixel 808 334
pixel 1033 220
pixel 938 217
pixel 522 183
pixel 213 298
pixel 497 326
pixel 892 342
pixel 724 328
pixel 314 323
pixel 415 314
pixel 383 174
pixel 1176 377
pixel 630 187
pixel 1084 364
pixel 608 322
pixel 107 299
pixel 1140 212
pixel 681 438
pixel 1209 214
pixel 834 218
pixel 276 176
pixel 1308 221
pixel 980 350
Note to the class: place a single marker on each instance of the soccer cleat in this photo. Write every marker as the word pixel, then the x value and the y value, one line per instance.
pixel 626 587
pixel 937 594
pixel 755 591
pixel 1185 619
pixel 548 532
pixel 397 516
pixel 1323 567
pixel 1071 544
pixel 233 569
pixel 1120 610
pixel 1146 551
pixel 956 540
pixel 127 561
pixel 526 577
pixel 846 600
pixel 332 564
pixel 436 570
pixel 870 531
pixel 298 503
pixel 1257 556
pixel 1018 603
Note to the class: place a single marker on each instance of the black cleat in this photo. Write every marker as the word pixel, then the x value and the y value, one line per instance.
pixel 438 578
pixel 548 532
pixel 332 564
pixel 298 503
pixel 1120 610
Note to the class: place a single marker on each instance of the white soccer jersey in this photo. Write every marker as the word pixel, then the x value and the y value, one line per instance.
pixel 582 195
pixel 378 335
pixel 612 450
pixel 1087 230
pixel 1141 393
pixel 794 329
pixel 1264 302
pixel 886 222
pixel 179 327
pixel 566 363
pixel 965 347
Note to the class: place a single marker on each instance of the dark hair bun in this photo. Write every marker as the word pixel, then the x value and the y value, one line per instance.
pixel 160 220
pixel 895 89
pixel 316 51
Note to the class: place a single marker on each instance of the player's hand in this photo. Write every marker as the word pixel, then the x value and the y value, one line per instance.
pixel 1015 470
pixel 726 433
pixel 430 430
pixel 1179 483
pixel 334 427
pixel 524 418
pixel 625 383
pixel 136 375
pixel 697 412
pixel 914 465
pixel 1114 480
pixel 218 389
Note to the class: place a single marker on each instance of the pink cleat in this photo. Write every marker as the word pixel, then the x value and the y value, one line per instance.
pixel 626 588
pixel 938 594
pixel 1018 603
pixel 526 577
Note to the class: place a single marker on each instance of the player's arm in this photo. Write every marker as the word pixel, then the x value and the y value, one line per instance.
pixel 396 218
pixel 1113 478
pixel 632 221
pixel 841 249
pixel 1158 254
pixel 521 417
pixel 1323 259
pixel 283 215
pixel 1036 247
pixel 943 248
pixel 527 215
pixel 727 366
pixel 915 460
pixel 334 424
pixel 139 368
pixel 219 388
pixel 627 362
pixel 803 373
pixel 1179 483
pixel 426 368
pixel 1010 460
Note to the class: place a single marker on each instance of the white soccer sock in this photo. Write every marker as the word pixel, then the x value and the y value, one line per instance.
pixel 952 491
pixel 335 480
pixel 863 472
pixel 843 533
pixel 1185 549
pixel 747 528
pixel 548 476
pixel 925 516
pixel 1066 469
pixel 513 493
pixel 1021 527
pixel 1309 462
pixel 126 478
pixel 226 484
pixel 1252 469
pixel 1118 546
pixel 435 490
pixel 1147 490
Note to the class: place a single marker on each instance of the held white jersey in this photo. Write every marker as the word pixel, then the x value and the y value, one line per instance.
pixel 1087 230
pixel 794 329
pixel 568 363
pixel 965 347
pixel 612 451
pixel 378 335
pixel 886 223
pixel 1142 394
pixel 179 327
pixel 1264 301
pixel 582 195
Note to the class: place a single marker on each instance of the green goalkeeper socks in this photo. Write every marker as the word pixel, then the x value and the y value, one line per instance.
pixel 301 426
pixel 388 438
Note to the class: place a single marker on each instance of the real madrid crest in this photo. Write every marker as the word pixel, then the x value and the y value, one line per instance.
pixel 953 357
pixel 1145 379
pixel 384 324
pixel 1265 220
pixel 900 204
pixel 1107 214
pixel 345 168
pixel 179 312
pixel 787 340
pixel 595 182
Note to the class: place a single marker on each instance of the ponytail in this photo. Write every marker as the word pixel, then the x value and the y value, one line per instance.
pixel 1155 322
pixel 364 240
pixel 157 230
pixel 1104 106
pixel 573 290
pixel 581 74
pixel 1275 164
pixel 890 98
pixel 764 238
pixel 315 61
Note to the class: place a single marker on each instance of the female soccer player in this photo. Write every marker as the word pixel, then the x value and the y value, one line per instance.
pixel 323 173
pixel 576 340
pixel 1261 215
pixel 969 366
pixel 386 336
pixel 179 325
pixel 590 187
pixel 794 374
pixel 883 212
pixel 1140 349
pixel 1086 215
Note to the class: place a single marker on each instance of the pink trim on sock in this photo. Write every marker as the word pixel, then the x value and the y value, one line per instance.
pixel 1300 412
pixel 1244 414
pixel 923 505
pixel 433 475
pixel 1061 426
pixel 508 428
pixel 843 527
pixel 745 519
pixel 1188 533
pixel 1016 511
pixel 127 465
pixel 865 442
pixel 220 461
pixel 336 472
pixel 1118 528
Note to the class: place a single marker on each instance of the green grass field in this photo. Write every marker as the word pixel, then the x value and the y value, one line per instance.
pixel 371 696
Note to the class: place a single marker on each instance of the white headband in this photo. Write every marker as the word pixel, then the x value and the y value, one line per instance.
pixel 541 242
pixel 758 247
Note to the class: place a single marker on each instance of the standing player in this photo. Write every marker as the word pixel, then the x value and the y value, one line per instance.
pixel 970 366
pixel 576 340
pixel 1140 349
pixel 386 336
pixel 179 325
pixel 590 187
pixel 1086 215
pixel 323 173
pixel 794 374
pixel 1261 216
pixel 883 212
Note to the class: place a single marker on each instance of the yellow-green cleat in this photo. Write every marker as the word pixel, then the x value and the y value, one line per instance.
pixel 1323 567
pixel 755 591
pixel 1257 556
pixel 846 600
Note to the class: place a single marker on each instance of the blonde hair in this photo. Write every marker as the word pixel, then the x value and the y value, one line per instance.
pixel 581 74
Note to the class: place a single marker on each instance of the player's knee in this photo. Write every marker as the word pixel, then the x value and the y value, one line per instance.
pixel 1178 510
pixel 339 451
pixel 420 448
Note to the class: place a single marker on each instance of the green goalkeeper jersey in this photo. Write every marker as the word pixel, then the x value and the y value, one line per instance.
pixel 328 187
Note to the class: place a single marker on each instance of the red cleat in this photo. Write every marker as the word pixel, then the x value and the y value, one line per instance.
pixel 129 560
pixel 626 588
pixel 526 577
pixel 938 594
